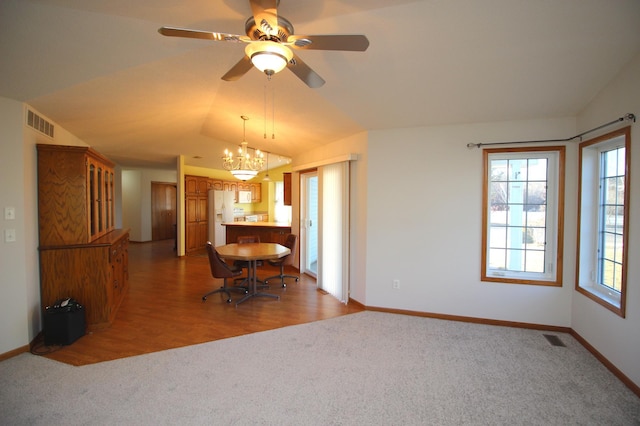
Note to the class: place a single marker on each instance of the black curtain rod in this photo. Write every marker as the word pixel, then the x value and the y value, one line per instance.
pixel 625 117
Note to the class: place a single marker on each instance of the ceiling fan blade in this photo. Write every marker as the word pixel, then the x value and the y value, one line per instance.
pixel 353 43
pixel 265 14
pixel 204 35
pixel 239 69
pixel 305 73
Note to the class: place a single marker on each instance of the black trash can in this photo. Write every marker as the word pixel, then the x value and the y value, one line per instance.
pixel 64 322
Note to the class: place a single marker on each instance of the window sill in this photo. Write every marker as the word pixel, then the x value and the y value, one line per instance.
pixel 607 298
pixel 513 279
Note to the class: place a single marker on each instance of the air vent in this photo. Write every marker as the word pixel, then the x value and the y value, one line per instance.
pixel 39 123
pixel 554 340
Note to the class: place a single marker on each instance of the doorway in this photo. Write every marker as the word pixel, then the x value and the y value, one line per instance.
pixel 163 211
pixel 309 223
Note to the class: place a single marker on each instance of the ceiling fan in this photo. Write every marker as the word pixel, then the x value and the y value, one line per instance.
pixel 270 40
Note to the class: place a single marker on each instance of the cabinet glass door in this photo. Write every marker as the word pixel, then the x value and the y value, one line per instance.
pixel 100 201
pixel 92 197
pixel 107 197
pixel 112 201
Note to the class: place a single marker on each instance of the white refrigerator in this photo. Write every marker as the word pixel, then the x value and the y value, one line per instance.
pixel 220 211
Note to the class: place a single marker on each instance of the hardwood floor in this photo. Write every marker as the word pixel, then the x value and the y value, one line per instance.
pixel 163 308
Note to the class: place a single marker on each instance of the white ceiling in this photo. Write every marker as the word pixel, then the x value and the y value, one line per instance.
pixel 100 69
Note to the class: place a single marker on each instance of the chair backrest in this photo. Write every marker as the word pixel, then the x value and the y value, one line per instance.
pixel 219 268
pixel 245 239
pixel 290 243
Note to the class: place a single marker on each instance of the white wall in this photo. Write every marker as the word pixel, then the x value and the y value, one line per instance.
pixel 20 317
pixel 618 339
pixel 136 199
pixel 14 289
pixel 424 224
pixel 132 203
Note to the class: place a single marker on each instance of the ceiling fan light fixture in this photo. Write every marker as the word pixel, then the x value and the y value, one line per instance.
pixel 268 56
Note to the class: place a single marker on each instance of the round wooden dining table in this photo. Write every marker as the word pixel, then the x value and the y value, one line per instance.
pixel 251 253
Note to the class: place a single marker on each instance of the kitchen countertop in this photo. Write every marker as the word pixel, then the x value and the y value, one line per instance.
pixel 259 224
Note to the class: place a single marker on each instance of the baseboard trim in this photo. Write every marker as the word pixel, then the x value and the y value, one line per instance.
pixel 473 319
pixel 608 364
pixel 616 372
pixel 14 352
pixel 356 303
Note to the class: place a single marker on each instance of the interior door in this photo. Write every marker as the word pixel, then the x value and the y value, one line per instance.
pixel 163 211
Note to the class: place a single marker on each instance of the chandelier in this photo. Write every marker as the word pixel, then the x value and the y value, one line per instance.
pixel 242 165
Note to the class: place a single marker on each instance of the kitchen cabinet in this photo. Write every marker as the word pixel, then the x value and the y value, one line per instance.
pixel 196 216
pixel 231 186
pixel 286 188
pixel 196 205
pixel 254 188
pixel 218 185
pixel 256 192
pixel 196 185
pixel 82 255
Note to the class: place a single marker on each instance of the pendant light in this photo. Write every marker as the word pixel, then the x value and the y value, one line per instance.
pixel 266 177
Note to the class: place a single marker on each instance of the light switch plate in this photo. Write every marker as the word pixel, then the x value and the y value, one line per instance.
pixel 9 213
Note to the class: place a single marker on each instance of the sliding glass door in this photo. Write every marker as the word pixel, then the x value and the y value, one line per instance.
pixel 309 223
pixel 324 227
pixel 333 229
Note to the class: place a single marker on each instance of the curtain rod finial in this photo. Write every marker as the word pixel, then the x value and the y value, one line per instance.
pixel 471 145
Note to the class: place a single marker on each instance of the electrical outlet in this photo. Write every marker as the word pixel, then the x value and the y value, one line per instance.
pixel 396 284
pixel 9 235
pixel 9 213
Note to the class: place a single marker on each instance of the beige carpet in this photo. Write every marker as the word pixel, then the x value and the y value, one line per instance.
pixel 360 369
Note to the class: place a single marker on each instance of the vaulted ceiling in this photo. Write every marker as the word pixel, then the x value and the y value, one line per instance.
pixel 101 70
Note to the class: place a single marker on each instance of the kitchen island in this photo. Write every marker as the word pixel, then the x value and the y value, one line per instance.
pixel 269 232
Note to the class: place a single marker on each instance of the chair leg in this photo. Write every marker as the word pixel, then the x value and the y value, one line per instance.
pixel 220 290
pixel 282 276
pixel 243 286
pixel 227 290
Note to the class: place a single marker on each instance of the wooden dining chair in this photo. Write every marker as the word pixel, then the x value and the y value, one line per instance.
pixel 220 269
pixel 290 243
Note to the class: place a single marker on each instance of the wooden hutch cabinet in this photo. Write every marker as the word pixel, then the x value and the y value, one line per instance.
pixel 82 255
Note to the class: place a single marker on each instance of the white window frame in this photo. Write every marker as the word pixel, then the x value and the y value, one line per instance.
pixel 554 222
pixel 590 220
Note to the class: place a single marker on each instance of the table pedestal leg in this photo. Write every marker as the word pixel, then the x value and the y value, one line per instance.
pixel 253 284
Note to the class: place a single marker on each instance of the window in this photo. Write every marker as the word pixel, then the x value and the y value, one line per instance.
pixel 523 215
pixel 602 226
